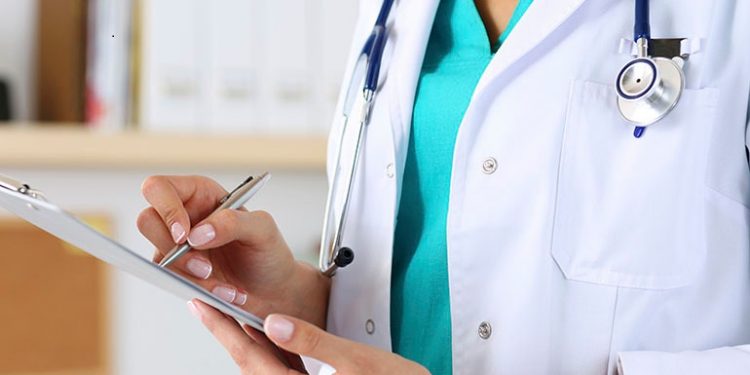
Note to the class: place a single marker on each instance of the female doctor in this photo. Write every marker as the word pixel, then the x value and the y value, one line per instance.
pixel 508 213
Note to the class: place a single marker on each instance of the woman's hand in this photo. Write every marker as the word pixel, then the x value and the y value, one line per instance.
pixel 290 338
pixel 242 257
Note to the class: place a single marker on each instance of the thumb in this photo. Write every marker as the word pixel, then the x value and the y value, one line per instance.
pixel 300 337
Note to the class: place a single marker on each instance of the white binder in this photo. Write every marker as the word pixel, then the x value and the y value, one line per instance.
pixel 31 205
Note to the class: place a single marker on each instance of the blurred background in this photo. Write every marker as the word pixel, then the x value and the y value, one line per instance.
pixel 96 95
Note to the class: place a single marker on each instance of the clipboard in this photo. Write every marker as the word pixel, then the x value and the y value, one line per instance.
pixel 31 205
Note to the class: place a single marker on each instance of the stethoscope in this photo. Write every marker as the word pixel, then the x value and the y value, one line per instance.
pixel 366 72
pixel 647 89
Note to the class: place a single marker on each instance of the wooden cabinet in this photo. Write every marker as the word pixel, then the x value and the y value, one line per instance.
pixel 53 304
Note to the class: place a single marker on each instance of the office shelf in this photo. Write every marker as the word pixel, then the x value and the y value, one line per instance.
pixel 58 146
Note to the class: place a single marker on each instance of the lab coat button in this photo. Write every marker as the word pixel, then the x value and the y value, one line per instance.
pixel 370 326
pixel 489 166
pixel 485 330
pixel 389 170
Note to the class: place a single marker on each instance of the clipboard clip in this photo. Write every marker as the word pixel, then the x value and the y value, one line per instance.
pixel 19 187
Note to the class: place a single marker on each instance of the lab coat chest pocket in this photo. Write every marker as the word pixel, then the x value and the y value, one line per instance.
pixel 629 211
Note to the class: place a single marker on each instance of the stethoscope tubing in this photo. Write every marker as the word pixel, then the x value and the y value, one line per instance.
pixel 371 55
pixel 374 46
pixel 642 28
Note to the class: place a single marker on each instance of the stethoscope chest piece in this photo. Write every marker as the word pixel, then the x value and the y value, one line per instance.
pixel 648 89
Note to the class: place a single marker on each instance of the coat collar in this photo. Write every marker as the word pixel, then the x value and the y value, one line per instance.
pixel 541 20
pixel 410 32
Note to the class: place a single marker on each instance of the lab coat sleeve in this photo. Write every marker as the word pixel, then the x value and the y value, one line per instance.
pixel 726 361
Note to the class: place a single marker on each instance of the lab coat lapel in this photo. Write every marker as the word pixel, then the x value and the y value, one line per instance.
pixel 410 34
pixel 541 19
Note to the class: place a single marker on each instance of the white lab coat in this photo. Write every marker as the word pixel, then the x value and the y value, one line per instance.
pixel 585 248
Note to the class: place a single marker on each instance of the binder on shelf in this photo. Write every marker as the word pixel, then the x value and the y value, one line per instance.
pixel 288 43
pixel 173 47
pixel 243 66
pixel 60 61
pixel 337 20
pixel 5 101
pixel 232 78
pixel 108 59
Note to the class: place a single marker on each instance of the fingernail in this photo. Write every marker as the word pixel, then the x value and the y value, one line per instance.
pixel 177 232
pixel 199 268
pixel 194 309
pixel 278 328
pixel 201 235
pixel 241 299
pixel 225 293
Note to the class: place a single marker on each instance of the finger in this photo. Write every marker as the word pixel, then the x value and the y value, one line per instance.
pixel 229 293
pixel 169 195
pixel 245 352
pixel 291 360
pixel 197 268
pixel 303 338
pixel 151 225
pixel 162 195
pixel 200 195
pixel 254 229
pixel 192 264
pixel 222 290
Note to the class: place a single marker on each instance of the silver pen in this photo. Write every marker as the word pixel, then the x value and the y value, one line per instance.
pixel 234 200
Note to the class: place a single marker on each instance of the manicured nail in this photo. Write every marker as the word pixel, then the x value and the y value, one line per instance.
pixel 178 232
pixel 241 299
pixel 278 328
pixel 226 293
pixel 201 235
pixel 199 268
pixel 194 309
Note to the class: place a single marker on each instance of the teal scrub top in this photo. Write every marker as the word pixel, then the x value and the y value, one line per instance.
pixel 457 54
